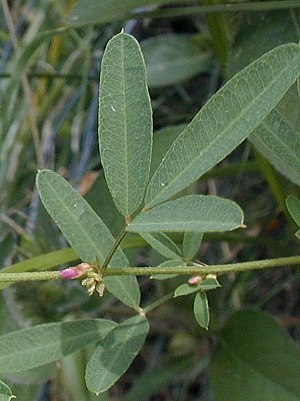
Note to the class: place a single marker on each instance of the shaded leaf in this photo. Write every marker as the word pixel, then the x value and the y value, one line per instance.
pixel 255 361
pixel 201 309
pixel 278 142
pixel 162 140
pixel 114 355
pixel 293 206
pixel 191 244
pixel 29 348
pixel 225 121
pixel 125 122
pixel 162 244
pixel 88 12
pixel 159 377
pixel 85 231
pixel 173 58
pixel 255 38
pixel 192 213
pixel 104 206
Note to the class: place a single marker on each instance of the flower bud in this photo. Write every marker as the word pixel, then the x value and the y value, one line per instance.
pixel 75 271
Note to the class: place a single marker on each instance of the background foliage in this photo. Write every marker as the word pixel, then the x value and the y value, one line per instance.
pixel 49 102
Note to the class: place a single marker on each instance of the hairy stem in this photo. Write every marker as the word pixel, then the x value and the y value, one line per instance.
pixel 202 270
pixel 152 271
pixel 33 276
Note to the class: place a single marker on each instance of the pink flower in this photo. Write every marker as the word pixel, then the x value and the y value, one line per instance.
pixel 75 271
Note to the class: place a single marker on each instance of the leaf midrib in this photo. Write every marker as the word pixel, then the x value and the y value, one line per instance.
pixel 223 133
pixel 76 222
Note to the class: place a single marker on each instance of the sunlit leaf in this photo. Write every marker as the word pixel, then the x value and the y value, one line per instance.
pixel 5 392
pixel 278 142
pixel 36 346
pixel 114 355
pixel 255 360
pixel 85 231
pixel 225 121
pixel 125 122
pixel 194 213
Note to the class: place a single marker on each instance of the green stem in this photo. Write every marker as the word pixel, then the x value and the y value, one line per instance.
pixel 157 303
pixel 241 6
pixel 113 250
pixel 202 270
pixel 33 276
pixel 151 271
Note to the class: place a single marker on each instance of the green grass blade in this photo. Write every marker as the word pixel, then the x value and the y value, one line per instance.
pixel 225 121
pixel 39 345
pixel 85 231
pixel 279 143
pixel 115 354
pixel 41 263
pixel 192 213
pixel 125 122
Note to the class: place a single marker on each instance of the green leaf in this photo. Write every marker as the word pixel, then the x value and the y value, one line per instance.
pixel 191 244
pixel 192 213
pixel 162 140
pixel 278 142
pixel 201 309
pixel 254 39
pixel 171 59
pixel 104 206
pixel 164 373
pixel 29 348
pixel 225 121
pixel 114 355
pixel 85 231
pixel 5 392
pixel 293 206
pixel 40 263
pixel 125 122
pixel 206 285
pixel 162 244
pixel 88 12
pixel 255 361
